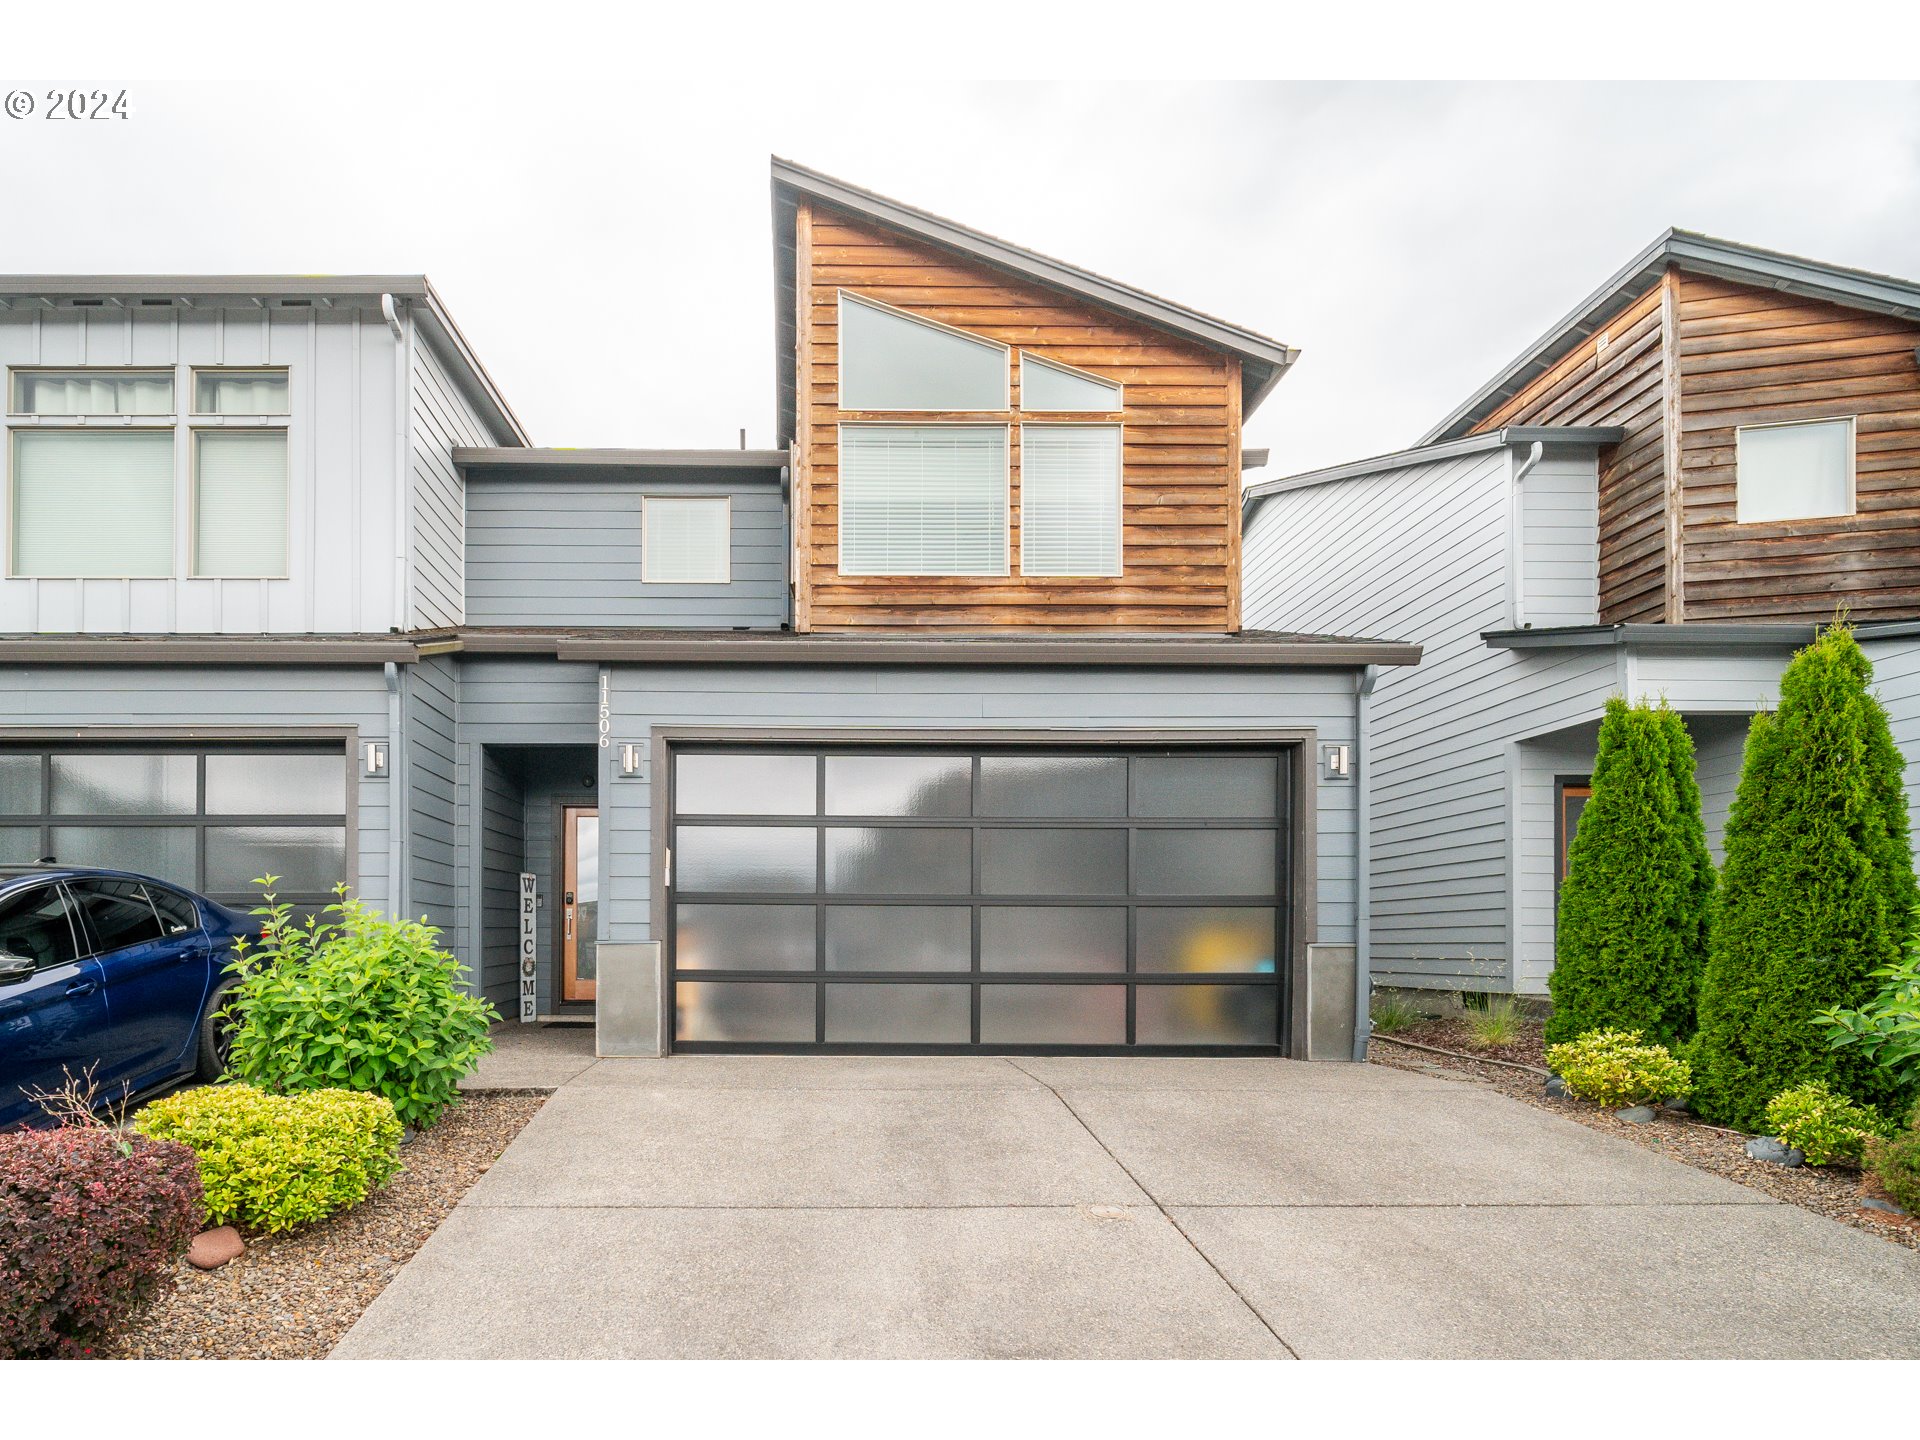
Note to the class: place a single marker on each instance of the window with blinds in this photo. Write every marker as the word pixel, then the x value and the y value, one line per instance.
pixel 923 500
pixel 92 392
pixel 93 504
pixel 1070 499
pixel 684 539
pixel 240 504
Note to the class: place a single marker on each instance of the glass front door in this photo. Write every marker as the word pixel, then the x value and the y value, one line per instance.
pixel 579 902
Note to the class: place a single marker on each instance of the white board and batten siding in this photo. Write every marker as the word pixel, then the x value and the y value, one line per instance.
pixel 1896 680
pixel 351 421
pixel 1557 578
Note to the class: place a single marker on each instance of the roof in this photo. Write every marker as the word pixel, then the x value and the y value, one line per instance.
pixel 1594 435
pixel 1701 255
pixel 292 292
pixel 759 464
pixel 1263 360
pixel 1762 635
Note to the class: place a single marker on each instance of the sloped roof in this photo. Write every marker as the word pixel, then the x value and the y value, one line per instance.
pixel 1263 360
pixel 436 323
pixel 1701 255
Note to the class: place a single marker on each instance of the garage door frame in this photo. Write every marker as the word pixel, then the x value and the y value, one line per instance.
pixel 1297 745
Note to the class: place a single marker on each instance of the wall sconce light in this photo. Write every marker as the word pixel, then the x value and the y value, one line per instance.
pixel 373 759
pixel 1338 761
pixel 629 761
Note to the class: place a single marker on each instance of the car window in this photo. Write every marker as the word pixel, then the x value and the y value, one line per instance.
pixel 117 913
pixel 35 927
pixel 177 913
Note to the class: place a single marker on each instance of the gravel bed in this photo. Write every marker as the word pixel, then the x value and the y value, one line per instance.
pixel 1826 1190
pixel 293 1295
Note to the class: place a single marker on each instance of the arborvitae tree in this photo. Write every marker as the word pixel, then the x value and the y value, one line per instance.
pixel 1632 933
pixel 1816 892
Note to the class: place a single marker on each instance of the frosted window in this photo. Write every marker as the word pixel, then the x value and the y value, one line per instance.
pixel 750 858
pixel 923 500
pixel 899 1014
pixel 744 937
pixel 1050 387
pixel 1794 472
pixel 684 540
pixel 890 361
pixel 92 392
pixel 1053 1014
pixel 93 503
pixel 1070 499
pixel 240 503
pixel 710 1010
pixel 240 392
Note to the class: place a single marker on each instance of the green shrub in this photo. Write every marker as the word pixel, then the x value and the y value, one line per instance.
pixel 1391 1015
pixel 274 1161
pixel 1498 1022
pixel 1631 938
pixel 1895 1163
pixel 1815 895
pixel 359 1002
pixel 1823 1126
pixel 1616 1068
pixel 1887 1028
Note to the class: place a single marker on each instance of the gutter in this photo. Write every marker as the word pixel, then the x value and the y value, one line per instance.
pixel 706 648
pixel 1363 862
pixel 1694 635
pixel 402 461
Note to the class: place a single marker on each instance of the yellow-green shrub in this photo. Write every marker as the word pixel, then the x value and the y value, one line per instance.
pixel 1615 1068
pixel 1821 1125
pixel 275 1161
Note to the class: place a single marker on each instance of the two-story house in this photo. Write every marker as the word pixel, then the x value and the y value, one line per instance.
pixel 934 728
pixel 1663 497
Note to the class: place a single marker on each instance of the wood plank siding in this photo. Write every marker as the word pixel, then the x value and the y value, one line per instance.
pixel 1180 441
pixel 1749 357
pixel 1615 378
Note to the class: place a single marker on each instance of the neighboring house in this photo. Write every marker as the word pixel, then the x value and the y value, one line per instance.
pixel 935 728
pixel 1663 497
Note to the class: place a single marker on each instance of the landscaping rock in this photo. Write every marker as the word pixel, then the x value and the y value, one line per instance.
pixel 1636 1114
pixel 1765 1147
pixel 213 1248
pixel 1556 1087
pixel 1874 1202
pixel 1682 1106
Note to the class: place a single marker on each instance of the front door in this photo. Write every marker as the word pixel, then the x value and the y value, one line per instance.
pixel 579 900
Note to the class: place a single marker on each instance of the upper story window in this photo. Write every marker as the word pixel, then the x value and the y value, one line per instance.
pixel 93 502
pixel 931 496
pixel 1797 471
pixel 892 361
pixel 685 539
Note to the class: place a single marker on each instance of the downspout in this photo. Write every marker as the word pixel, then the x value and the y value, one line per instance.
pixel 1517 529
pixel 1363 862
pixel 402 468
pixel 397 898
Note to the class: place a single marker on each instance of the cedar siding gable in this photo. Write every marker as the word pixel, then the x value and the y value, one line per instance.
pixel 1683 364
pixel 1180 447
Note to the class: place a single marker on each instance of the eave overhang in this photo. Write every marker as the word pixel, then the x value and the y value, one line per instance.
pixel 1699 635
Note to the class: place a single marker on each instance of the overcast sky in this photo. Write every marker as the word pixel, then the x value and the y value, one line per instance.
pixel 604 241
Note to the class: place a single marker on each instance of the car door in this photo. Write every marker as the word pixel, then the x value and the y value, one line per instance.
pixel 53 1008
pixel 155 972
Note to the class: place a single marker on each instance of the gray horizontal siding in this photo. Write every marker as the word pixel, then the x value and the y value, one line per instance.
pixel 1896 679
pixel 937 699
pixel 567 552
pixel 442 421
pixel 64 698
pixel 1560 543
pixel 432 764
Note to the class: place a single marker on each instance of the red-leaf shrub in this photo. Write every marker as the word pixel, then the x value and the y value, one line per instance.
pixel 90 1219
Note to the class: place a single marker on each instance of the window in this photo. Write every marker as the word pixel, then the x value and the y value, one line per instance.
pixel 892 361
pixel 93 503
pixel 1047 385
pixel 1070 499
pixel 240 392
pixel 240 503
pixel 118 913
pixel 92 392
pixel 1800 471
pixel 1571 804
pixel 684 540
pixel 923 500
pixel 35 926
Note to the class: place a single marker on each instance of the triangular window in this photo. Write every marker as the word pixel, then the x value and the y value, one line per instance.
pixel 892 361
pixel 1045 386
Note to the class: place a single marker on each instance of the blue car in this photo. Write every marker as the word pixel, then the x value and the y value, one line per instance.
pixel 114 973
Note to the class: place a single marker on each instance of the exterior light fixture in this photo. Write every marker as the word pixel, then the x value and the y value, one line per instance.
pixel 373 759
pixel 629 761
pixel 1337 761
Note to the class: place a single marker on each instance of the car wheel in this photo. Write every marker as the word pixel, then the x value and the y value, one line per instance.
pixel 216 1035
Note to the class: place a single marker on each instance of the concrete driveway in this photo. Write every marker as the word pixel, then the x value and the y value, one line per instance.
pixel 866 1207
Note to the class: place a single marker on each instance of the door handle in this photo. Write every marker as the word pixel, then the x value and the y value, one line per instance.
pixel 81 987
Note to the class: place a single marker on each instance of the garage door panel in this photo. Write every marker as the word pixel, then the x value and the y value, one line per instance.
pixel 934 898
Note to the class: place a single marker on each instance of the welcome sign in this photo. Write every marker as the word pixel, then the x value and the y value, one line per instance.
pixel 528 905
